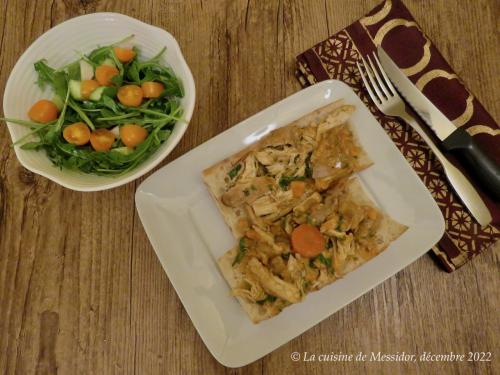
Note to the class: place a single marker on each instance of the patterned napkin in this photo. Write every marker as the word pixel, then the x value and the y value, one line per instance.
pixel 391 25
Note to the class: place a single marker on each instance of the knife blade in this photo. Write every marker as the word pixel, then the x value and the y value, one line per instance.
pixel 455 140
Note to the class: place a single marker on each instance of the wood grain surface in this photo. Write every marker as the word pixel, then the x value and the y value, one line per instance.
pixel 81 289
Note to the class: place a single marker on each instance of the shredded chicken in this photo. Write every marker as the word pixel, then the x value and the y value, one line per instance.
pixel 277 265
pixel 288 224
pixel 254 219
pixel 268 238
pixel 346 247
pixel 319 213
pixel 247 192
pixel 331 228
pixel 306 204
pixel 296 269
pixel 258 251
pixel 323 279
pixel 271 155
pixel 249 168
pixel 264 205
pixel 285 201
pixel 273 284
pixel 279 161
pixel 309 137
pixel 250 289
pixel 365 232
pixel 351 215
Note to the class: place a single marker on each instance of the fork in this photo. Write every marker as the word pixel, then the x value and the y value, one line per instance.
pixel 388 101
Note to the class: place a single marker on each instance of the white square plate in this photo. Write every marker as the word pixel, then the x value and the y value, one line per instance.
pixel 188 233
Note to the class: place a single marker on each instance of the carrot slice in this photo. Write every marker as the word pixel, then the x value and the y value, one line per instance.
pixel 308 241
pixel 298 188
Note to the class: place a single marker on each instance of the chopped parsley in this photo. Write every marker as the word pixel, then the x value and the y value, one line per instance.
pixel 269 298
pixel 341 221
pixel 326 261
pixel 242 249
pixel 285 180
pixel 234 172
pixel 322 259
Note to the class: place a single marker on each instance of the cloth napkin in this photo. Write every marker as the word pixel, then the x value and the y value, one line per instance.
pixel 391 25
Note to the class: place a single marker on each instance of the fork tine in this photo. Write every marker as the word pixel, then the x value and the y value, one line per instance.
pixel 379 80
pixel 372 80
pixel 373 96
pixel 386 79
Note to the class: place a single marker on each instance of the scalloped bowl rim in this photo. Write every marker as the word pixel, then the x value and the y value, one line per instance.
pixel 180 127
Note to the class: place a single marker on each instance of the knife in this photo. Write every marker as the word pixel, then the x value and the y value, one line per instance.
pixel 453 139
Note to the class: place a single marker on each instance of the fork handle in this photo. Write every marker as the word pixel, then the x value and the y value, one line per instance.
pixel 458 181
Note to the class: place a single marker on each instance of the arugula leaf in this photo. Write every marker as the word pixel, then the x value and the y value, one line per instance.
pixel 27 123
pixel 82 114
pixel 98 55
pixel 47 75
pixel 117 80
pixel 109 103
pixel 163 135
pixel 74 71
pixel 32 145
pixel 118 117
pixel 133 72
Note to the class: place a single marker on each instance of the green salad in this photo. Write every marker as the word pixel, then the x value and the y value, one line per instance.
pixel 109 112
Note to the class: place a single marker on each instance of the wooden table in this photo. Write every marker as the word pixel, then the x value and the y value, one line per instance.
pixel 81 289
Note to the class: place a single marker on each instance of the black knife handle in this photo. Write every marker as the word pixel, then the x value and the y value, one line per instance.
pixel 485 169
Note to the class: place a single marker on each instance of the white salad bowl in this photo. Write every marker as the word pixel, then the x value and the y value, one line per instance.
pixel 59 46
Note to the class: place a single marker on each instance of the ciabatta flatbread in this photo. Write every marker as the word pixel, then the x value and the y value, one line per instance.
pixel 388 231
pixel 216 177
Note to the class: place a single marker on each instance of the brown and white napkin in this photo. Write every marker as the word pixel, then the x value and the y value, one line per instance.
pixel 391 25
